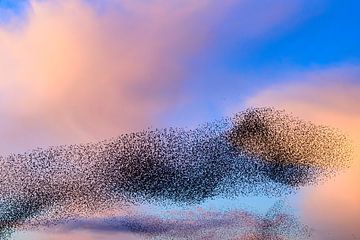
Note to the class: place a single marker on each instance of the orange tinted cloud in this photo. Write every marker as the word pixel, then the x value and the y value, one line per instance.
pixel 78 71
pixel 330 97
pixel 78 74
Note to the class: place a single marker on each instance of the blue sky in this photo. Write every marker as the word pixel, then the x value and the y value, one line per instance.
pixel 318 36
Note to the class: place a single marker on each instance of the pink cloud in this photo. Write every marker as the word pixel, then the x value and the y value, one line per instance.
pixel 330 97
pixel 76 74
pixel 80 72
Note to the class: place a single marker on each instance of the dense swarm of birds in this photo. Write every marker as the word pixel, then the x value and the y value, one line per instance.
pixel 259 151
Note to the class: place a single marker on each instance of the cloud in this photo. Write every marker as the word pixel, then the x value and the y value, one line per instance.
pixel 326 96
pixel 88 74
pixel 277 223
pixel 78 235
pixel 77 71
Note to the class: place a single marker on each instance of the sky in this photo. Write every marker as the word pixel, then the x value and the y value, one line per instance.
pixel 79 71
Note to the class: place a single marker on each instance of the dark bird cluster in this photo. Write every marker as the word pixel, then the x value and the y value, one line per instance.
pixel 260 151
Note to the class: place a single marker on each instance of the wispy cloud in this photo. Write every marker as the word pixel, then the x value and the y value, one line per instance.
pixel 277 223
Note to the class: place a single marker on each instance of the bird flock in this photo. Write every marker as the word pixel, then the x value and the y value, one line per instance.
pixel 260 151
